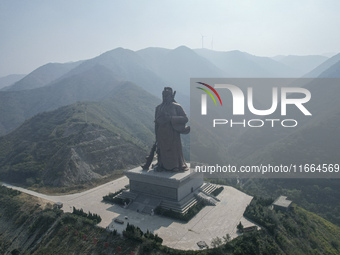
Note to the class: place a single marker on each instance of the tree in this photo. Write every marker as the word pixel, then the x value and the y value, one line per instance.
pixel 226 238
pixel 216 242
pixel 240 227
pixel 217 245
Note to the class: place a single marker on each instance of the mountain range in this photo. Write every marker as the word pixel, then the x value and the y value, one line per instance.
pixel 151 68
pixel 10 80
pixel 42 76
pixel 303 64
pixel 42 115
pixel 321 70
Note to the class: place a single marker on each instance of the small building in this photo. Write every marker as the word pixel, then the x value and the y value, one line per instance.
pixel 282 203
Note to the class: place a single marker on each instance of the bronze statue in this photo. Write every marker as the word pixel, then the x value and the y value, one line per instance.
pixel 170 120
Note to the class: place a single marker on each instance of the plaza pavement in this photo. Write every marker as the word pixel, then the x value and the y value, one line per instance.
pixel 210 222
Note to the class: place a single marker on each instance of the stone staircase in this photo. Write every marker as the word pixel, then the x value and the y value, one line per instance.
pixel 208 188
pixel 209 200
pixel 177 207
pixel 205 193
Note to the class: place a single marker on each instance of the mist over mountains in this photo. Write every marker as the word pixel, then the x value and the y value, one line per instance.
pixel 42 76
pixel 239 64
pixel 10 80
pixel 301 63
pixel 321 70
pixel 151 68
pixel 46 138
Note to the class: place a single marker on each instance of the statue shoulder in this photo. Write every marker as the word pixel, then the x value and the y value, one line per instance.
pixel 176 104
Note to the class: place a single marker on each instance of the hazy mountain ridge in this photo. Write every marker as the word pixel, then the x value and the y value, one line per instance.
pixel 80 142
pixel 237 64
pixel 177 66
pixel 151 68
pixel 42 76
pixel 125 65
pixel 332 72
pixel 9 80
pixel 303 64
pixel 16 106
pixel 89 80
pixel 316 72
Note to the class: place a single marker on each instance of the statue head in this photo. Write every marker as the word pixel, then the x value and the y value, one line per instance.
pixel 168 95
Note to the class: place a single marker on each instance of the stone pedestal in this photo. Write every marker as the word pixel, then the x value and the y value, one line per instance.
pixel 168 185
pixel 171 190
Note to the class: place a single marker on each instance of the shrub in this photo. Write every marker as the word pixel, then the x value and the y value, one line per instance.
pixel 132 232
pixel 112 198
pixel 91 216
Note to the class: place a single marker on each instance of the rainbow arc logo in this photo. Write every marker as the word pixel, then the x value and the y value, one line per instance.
pixel 209 93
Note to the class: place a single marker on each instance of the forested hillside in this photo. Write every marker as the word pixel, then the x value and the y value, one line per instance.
pixel 80 142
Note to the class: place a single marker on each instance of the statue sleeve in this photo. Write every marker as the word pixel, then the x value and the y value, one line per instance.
pixel 178 122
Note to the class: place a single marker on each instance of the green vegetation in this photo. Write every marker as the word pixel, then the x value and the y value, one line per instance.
pixel 9 197
pixel 148 241
pixel 135 233
pixel 26 228
pixel 321 196
pixel 8 193
pixel 112 198
pixel 116 200
pixel 297 231
pixel 91 216
pixel 240 227
pixel 259 212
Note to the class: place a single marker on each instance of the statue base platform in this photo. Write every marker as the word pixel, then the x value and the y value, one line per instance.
pixel 170 190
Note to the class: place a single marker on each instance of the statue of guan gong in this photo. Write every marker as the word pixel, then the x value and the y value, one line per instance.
pixel 170 123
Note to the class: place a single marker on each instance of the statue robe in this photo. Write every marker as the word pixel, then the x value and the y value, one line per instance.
pixel 170 120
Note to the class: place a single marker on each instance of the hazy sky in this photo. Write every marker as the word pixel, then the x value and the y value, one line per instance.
pixel 35 32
